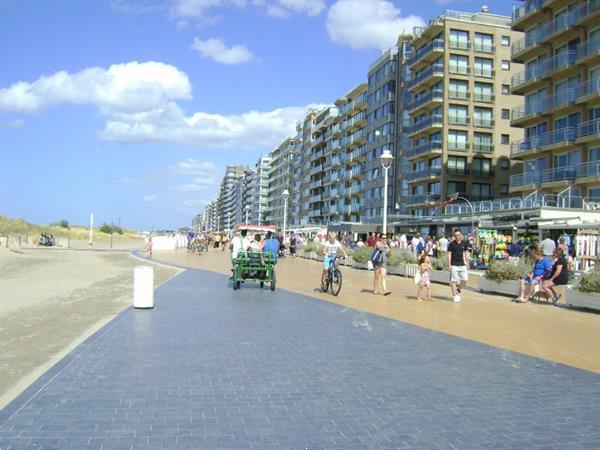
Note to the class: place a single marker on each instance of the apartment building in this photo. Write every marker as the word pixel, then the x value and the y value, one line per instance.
pixel 280 180
pixel 300 205
pixel 460 129
pixel 256 191
pixel 560 108
pixel 230 197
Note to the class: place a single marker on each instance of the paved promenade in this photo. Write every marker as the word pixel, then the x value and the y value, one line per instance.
pixel 213 368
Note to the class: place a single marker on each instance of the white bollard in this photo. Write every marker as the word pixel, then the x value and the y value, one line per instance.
pixel 143 287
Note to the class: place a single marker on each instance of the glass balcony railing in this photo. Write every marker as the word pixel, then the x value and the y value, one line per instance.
pixel 436 44
pixel 483 147
pixel 423 75
pixel 539 71
pixel 459 70
pixel 558 174
pixel 484 72
pixel 482 173
pixel 459 45
pixel 428 197
pixel 561 136
pixel 524 10
pixel 485 97
pixel 483 122
pixel 484 47
pixel 425 173
pixel 589 87
pixel 435 94
pixel 458 120
pixel 525 179
pixel 589 128
pixel 457 171
pixel 458 95
pixel 588 48
pixel 560 99
pixel 423 149
pixel 458 146
pixel 425 123
pixel 590 169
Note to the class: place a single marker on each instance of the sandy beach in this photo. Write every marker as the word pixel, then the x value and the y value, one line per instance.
pixel 52 299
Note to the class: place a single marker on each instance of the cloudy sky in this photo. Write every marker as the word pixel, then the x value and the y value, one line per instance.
pixel 132 109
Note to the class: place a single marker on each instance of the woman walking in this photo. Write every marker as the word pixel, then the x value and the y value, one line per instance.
pixel 379 260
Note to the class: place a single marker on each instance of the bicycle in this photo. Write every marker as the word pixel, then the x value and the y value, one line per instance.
pixel 333 279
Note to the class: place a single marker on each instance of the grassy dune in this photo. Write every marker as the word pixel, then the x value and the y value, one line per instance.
pixel 23 228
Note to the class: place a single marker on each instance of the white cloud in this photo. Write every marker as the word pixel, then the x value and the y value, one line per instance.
pixel 368 24
pixel 216 50
pixel 199 11
pixel 150 198
pixel 139 101
pixel 192 167
pixel 17 123
pixel 122 88
pixel 285 8
pixel 137 7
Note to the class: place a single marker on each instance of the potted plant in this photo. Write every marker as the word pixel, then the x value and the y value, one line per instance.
pixel 502 276
pixel 310 250
pixel 361 257
pixel 586 294
pixel 439 272
pixel 319 251
pixel 399 260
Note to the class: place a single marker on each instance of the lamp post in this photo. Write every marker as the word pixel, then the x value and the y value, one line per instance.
pixel 386 159
pixel 285 194
pixel 457 196
pixel 247 209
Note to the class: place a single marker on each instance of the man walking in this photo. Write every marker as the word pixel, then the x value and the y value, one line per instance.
pixel 458 258
pixel 547 246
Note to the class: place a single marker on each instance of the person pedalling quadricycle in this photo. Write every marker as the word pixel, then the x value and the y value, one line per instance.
pixel 255 262
pixel 332 276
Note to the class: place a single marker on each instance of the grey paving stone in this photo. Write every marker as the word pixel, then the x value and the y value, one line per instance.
pixel 213 368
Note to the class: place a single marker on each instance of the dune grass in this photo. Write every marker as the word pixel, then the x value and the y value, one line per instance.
pixel 21 227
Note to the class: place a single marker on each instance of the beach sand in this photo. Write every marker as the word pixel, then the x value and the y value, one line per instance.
pixel 52 299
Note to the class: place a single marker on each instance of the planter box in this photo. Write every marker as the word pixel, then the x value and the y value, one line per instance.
pixel 506 287
pixel 410 270
pixel 312 255
pixel 580 299
pixel 358 265
pixel 396 270
pixel 440 276
pixel 320 258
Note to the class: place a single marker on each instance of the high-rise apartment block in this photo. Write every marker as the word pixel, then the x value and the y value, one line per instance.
pixel 460 129
pixel 230 197
pixel 280 181
pixel 560 104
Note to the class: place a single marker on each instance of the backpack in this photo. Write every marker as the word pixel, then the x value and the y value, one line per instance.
pixel 377 257
pixel 272 246
pixel 420 247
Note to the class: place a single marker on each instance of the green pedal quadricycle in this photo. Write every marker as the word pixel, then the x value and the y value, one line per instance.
pixel 251 266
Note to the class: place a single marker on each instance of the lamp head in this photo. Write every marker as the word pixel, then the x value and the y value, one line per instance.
pixel 285 194
pixel 386 159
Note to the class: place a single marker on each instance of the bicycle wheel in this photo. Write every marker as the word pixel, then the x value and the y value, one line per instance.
pixel 336 282
pixel 273 279
pixel 236 283
pixel 325 286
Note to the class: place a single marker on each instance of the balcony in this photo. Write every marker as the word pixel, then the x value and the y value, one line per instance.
pixel 478 173
pixel 588 90
pixel 459 45
pixel 459 70
pixel 422 78
pixel 458 120
pixel 484 97
pixel 483 122
pixel 426 198
pixel 458 95
pixel 523 13
pixel 436 95
pixel 587 170
pixel 564 137
pixel 424 149
pixel 458 146
pixel 484 72
pixel 551 66
pixel 483 47
pixel 423 54
pixel 429 172
pixel 456 172
pixel 483 147
pixel 435 120
pixel 315 198
pixel 588 52
pixel 522 114
pixel 588 131
pixel 316 169
pixel 528 179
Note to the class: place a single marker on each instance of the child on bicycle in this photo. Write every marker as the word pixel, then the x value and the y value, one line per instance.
pixel 330 249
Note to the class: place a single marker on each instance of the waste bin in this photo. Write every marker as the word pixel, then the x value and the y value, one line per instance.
pixel 143 287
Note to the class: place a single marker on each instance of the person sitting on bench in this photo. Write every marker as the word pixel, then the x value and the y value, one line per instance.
pixel 557 276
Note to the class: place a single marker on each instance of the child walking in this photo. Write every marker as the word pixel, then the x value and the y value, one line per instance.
pixel 425 280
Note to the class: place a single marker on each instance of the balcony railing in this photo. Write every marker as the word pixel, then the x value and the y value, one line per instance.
pixel 435 94
pixel 484 97
pixel 483 147
pixel 456 172
pixel 555 101
pixel 561 136
pixel 588 48
pixel 434 171
pixel 425 123
pixel 459 45
pixel 528 8
pixel 459 70
pixel 525 179
pixel 436 44
pixel 458 95
pixel 589 87
pixel 423 75
pixel 590 169
pixel 482 173
pixel 483 122
pixel 428 197
pixel 458 146
pixel 589 128
pixel 484 72
pixel 424 148
pixel 484 48
pixel 543 69
pixel 458 120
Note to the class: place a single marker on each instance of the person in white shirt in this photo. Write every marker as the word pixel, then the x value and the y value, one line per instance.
pixel 239 243
pixel 403 242
pixel 414 242
pixel 330 250
pixel 443 244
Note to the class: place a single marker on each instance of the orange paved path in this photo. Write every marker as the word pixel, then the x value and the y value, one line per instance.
pixel 556 334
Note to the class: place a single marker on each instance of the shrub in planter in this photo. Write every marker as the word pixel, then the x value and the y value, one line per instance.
pixel 590 281
pixel 362 255
pixel 440 264
pixel 319 249
pixel 502 270
pixel 401 256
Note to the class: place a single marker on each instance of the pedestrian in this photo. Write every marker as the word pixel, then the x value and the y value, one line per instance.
pixel 442 245
pixel 372 240
pixel 293 243
pixel 424 278
pixel 379 259
pixel 149 246
pixel 403 241
pixel 458 261
pixel 429 246
pixel 547 246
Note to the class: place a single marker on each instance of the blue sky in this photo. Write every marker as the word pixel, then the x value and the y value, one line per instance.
pixel 132 109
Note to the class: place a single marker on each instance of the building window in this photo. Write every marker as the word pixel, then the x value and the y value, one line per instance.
pixel 482 191
pixel 505 64
pixel 484 67
pixel 457 166
pixel 484 43
pixel 459 64
pixel 504 189
pixel 454 187
pixel 504 139
pixel 503 163
pixel 506 114
pixel 506 89
pixel 506 40
pixel 459 39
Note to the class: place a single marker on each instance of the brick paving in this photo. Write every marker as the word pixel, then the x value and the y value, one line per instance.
pixel 213 368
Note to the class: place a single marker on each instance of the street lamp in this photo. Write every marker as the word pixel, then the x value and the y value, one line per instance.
pixel 457 196
pixel 247 209
pixel 386 162
pixel 285 194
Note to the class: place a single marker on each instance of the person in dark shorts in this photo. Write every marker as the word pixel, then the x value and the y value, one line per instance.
pixel 557 276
